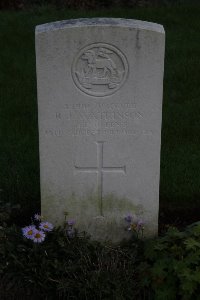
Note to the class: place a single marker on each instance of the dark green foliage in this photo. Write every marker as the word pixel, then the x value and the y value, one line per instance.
pixel 171 266
pixel 8 213
pixel 75 4
pixel 84 4
pixel 164 268
pixel 60 268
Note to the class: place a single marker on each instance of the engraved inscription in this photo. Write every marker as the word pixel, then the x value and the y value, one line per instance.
pixel 100 170
pixel 99 69
pixel 93 119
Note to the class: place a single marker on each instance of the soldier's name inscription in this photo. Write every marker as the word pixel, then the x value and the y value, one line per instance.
pixel 98 119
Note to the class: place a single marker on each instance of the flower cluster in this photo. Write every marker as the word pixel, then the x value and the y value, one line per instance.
pixel 36 232
pixel 69 226
pixel 134 224
pixel 70 231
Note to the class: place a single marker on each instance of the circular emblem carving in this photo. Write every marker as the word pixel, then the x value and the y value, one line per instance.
pixel 99 69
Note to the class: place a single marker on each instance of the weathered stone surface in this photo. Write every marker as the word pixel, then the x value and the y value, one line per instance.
pixel 100 107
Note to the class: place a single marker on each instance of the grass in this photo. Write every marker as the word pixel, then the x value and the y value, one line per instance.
pixel 180 156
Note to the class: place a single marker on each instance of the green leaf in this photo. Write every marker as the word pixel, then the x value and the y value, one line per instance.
pixel 191 244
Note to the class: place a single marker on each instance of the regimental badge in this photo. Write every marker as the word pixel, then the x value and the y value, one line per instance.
pixel 99 69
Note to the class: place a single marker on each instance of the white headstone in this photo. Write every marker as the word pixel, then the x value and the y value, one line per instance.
pixel 100 107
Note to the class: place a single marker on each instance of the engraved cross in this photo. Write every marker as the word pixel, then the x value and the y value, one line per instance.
pixel 100 169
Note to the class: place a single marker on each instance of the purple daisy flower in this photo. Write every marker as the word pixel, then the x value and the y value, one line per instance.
pixel 39 236
pixel 46 226
pixel 71 222
pixel 140 224
pixel 29 231
pixel 129 218
pixel 37 217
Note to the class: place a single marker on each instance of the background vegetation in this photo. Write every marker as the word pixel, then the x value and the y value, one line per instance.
pixel 180 156
pixel 80 4
pixel 60 267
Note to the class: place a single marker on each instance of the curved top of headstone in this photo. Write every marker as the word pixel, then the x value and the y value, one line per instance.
pixel 84 22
